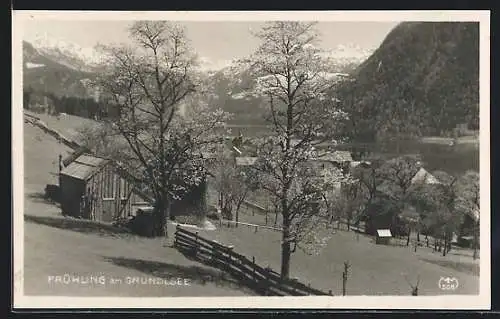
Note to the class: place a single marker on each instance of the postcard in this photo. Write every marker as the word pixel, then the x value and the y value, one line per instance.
pixel 267 159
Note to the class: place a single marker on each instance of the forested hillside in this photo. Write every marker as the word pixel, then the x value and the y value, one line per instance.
pixel 422 80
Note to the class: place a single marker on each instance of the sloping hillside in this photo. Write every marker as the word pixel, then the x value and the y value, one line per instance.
pixel 56 246
pixel 423 79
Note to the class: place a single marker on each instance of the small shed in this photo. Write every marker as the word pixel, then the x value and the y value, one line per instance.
pixel 383 237
pixel 96 188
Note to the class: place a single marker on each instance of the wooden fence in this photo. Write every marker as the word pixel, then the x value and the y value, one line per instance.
pixel 256 227
pixel 255 207
pixel 263 280
pixel 56 134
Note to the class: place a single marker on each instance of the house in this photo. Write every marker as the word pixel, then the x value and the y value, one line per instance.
pixel 383 237
pixel 96 188
pixel 359 164
pixel 340 157
pixel 332 162
pixel 424 177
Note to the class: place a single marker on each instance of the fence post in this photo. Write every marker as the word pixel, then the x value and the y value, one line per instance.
pixel 229 257
pixel 344 277
pixel 213 252
pixel 196 244
pixel 253 268
pixel 266 282
pixel 175 235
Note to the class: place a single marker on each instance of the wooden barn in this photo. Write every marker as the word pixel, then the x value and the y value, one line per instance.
pixel 95 188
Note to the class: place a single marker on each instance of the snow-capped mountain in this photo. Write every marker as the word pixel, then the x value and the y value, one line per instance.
pixel 56 72
pixel 342 60
pixel 210 66
pixel 67 53
pixel 63 68
pixel 349 53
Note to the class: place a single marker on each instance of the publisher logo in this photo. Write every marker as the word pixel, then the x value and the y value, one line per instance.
pixel 448 283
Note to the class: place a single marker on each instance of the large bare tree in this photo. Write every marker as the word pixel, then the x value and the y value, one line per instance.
pixel 290 73
pixel 154 83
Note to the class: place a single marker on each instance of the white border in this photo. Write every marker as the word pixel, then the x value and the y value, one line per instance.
pixel 479 302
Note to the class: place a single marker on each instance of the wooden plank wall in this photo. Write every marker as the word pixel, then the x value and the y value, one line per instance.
pixel 111 193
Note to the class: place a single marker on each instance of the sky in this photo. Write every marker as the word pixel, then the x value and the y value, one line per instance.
pixel 215 40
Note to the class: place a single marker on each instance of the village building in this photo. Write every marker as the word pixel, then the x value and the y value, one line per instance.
pixel 338 159
pixel 424 177
pixel 95 188
pixel 99 189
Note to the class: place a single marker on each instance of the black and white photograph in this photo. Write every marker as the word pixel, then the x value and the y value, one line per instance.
pixel 280 159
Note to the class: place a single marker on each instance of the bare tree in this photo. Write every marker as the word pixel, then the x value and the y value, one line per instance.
pixel 440 202
pixel 370 179
pixel 151 82
pixel 468 202
pixel 234 184
pixel 290 74
pixel 399 174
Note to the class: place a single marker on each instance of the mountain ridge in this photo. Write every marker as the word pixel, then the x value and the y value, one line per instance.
pixel 422 80
pixel 57 68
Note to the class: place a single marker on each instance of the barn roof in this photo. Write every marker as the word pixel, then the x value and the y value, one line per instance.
pixel 83 166
pixel 73 156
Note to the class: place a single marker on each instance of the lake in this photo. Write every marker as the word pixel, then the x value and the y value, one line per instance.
pixel 436 152
pixel 452 159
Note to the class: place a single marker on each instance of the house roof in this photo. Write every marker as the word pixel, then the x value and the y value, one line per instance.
pixel 423 176
pixel 245 161
pixel 384 233
pixel 84 166
pixel 337 156
pixel 355 164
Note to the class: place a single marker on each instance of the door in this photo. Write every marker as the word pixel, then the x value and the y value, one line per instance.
pixel 108 195
pixel 108 209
